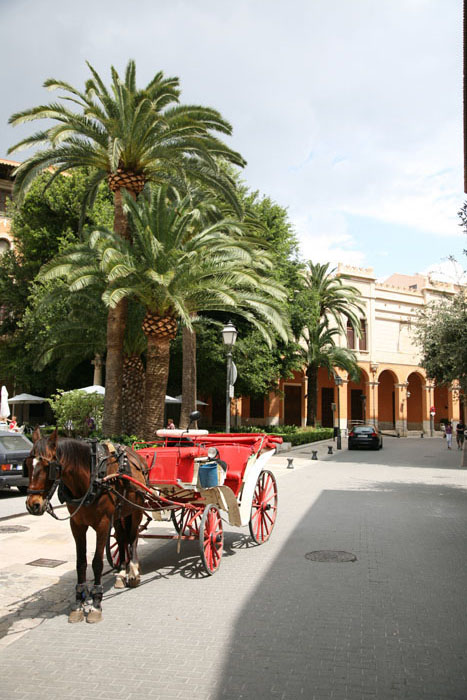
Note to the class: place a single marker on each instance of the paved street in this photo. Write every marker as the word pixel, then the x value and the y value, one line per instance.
pixel 271 623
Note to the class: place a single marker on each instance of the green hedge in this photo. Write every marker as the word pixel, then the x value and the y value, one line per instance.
pixel 289 433
pixel 302 437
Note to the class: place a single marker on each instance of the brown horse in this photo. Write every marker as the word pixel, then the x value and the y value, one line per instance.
pixel 69 465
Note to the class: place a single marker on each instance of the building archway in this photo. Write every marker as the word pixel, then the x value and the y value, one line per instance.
pixel 415 397
pixel 387 400
pixel 357 399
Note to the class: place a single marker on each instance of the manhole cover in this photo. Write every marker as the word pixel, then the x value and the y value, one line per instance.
pixel 12 528
pixel 49 563
pixel 331 556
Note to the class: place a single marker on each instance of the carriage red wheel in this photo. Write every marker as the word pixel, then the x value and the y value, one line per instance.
pixel 187 520
pixel 211 539
pixel 263 507
pixel 111 550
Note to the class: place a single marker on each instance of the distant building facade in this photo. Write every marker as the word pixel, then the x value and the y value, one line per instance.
pixel 6 188
pixel 393 391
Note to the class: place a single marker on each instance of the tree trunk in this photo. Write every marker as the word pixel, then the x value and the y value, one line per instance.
pixel 132 395
pixel 157 375
pixel 312 394
pixel 116 322
pixel 116 319
pixel 188 376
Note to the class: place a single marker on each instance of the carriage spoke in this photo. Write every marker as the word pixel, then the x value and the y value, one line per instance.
pixel 211 539
pixel 264 507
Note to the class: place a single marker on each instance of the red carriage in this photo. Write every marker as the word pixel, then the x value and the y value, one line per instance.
pixel 198 480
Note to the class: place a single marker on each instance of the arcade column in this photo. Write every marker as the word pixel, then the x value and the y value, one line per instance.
pixel 454 402
pixel 400 400
pixel 428 403
pixel 372 408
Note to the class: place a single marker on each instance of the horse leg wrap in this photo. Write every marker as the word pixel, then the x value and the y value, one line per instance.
pixel 96 594
pixel 77 615
pixel 81 594
pixel 95 614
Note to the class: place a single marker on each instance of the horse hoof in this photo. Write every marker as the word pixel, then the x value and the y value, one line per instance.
pixel 119 582
pixel 134 582
pixel 76 615
pixel 94 615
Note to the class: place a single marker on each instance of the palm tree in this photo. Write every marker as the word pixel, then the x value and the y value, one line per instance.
pixel 319 349
pixel 177 270
pixel 325 305
pixel 127 137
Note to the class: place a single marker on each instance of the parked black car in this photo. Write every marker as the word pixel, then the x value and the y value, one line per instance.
pixel 14 448
pixel 365 436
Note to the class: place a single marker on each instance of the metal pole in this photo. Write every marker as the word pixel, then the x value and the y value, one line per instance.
pixel 227 393
pixel 339 447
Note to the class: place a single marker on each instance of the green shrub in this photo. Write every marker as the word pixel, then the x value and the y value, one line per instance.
pixel 72 409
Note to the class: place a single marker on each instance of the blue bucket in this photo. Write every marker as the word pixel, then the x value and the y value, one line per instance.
pixel 208 475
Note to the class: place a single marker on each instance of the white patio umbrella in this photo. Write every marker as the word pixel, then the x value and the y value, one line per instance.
pixel 97 389
pixel 198 401
pixel 26 398
pixel 94 389
pixel 4 407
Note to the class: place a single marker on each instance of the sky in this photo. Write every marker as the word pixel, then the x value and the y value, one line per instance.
pixel 348 112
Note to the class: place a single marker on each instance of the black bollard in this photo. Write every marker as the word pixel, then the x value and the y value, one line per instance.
pixel 422 435
pixel 329 449
pixel 290 463
pixel 314 454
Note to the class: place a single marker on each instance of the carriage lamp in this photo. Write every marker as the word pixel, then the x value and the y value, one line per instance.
pixel 212 452
pixel 229 336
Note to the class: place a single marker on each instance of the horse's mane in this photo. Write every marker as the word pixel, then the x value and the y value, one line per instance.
pixel 73 453
pixel 70 452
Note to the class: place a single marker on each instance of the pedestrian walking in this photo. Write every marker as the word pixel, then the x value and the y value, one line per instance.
pixel 460 434
pixel 448 433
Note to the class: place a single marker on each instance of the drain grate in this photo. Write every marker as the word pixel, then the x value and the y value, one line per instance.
pixel 49 563
pixel 331 555
pixel 12 528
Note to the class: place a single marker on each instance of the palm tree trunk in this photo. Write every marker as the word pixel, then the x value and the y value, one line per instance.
pixel 312 392
pixel 116 319
pixel 132 395
pixel 188 376
pixel 116 322
pixel 157 375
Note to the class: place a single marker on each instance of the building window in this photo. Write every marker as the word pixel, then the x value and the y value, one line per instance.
pixel 363 338
pixel 350 336
pixel 256 407
pixel 4 245
pixel 4 197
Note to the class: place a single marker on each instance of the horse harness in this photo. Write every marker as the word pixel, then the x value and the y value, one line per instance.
pixel 101 453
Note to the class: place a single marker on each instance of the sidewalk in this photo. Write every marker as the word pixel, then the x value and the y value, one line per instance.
pixel 271 623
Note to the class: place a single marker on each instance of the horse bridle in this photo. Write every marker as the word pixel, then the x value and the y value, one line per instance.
pixel 54 473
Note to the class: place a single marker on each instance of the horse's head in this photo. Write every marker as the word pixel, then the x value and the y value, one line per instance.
pixel 41 469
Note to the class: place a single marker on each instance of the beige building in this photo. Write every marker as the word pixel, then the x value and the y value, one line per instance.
pixel 6 187
pixel 394 391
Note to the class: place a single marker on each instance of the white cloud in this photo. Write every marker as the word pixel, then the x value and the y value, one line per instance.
pixel 339 107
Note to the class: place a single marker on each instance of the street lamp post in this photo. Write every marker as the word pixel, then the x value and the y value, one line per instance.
pixel 338 381
pixel 229 336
